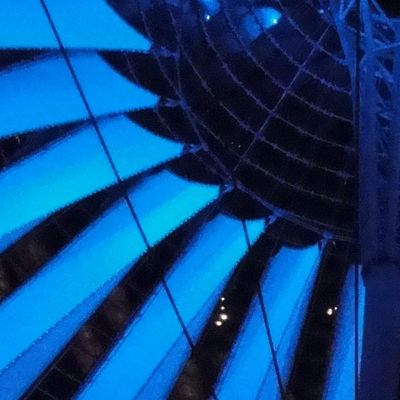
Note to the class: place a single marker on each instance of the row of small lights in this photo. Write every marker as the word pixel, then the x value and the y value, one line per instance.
pixel 222 316
pixel 330 311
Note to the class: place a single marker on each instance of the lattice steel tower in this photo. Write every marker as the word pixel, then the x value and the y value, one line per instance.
pixel 371 41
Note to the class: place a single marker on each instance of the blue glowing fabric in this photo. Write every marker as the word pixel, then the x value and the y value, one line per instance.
pixel 42 94
pixel 152 346
pixel 37 95
pixel 249 360
pixel 115 94
pixel 133 149
pixel 135 357
pixel 286 289
pixel 15 380
pixel 10 238
pixel 103 251
pixel 96 256
pixel 79 22
pixel 24 25
pixel 286 314
pixel 76 167
pixel 66 171
pixel 164 201
pixel 341 376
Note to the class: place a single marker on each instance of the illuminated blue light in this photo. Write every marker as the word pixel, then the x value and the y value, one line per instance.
pixel 248 361
pixel 106 90
pixel 43 93
pixel 16 379
pixel 287 283
pixel 24 25
pixel 210 6
pixel 79 23
pixel 164 201
pixel 340 383
pixel 286 289
pixel 101 252
pixel 286 315
pixel 11 237
pixel 37 95
pixel 207 265
pixel 148 358
pixel 263 18
pixel 254 228
pixel 160 383
pixel 53 178
pixel 134 149
pixel 76 167
pixel 142 348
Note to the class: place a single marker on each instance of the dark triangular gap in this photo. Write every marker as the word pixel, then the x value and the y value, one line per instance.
pixel 143 69
pixel 91 344
pixel 27 255
pixel 197 167
pixel 206 362
pixel 170 122
pixel 313 352
pixel 241 205
pixel 10 58
pixel 291 234
pixel 18 147
pixel 130 12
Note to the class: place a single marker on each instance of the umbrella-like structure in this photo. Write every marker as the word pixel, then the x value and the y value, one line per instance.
pixel 179 205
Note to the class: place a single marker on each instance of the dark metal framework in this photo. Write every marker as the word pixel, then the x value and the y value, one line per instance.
pixel 371 41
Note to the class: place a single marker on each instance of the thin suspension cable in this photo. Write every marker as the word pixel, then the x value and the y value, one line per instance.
pixel 112 164
pixel 281 385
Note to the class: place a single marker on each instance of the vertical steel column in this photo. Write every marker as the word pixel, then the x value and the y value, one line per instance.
pixel 380 360
pixel 371 42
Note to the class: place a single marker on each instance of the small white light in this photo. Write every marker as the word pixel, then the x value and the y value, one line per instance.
pixel 207 17
pixel 224 317
pixel 275 21
pixel 222 298
pixel 218 323
pixel 329 311
pixel 335 308
pixel 222 308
